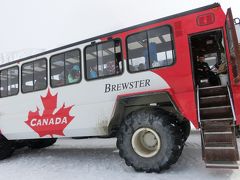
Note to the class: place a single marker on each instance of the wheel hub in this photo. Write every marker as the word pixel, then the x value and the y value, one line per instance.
pixel 146 142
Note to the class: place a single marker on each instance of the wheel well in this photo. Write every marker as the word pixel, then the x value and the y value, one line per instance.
pixel 128 104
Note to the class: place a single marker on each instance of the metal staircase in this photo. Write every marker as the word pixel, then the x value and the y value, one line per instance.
pixel 217 122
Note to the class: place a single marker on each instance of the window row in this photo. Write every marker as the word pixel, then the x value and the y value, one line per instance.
pixel 145 50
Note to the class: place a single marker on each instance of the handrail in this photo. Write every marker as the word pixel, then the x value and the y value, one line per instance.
pixel 199 120
pixel 231 102
pixel 198 107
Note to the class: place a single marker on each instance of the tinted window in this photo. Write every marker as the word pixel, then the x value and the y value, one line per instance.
pixel 34 76
pixel 150 49
pixel 103 59
pixel 65 68
pixel 9 82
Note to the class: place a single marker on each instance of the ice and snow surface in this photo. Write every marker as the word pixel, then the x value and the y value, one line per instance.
pixel 91 159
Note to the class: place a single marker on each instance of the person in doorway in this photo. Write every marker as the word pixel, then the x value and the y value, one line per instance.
pixel 204 71
pixel 221 66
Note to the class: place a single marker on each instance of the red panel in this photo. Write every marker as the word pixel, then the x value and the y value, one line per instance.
pixel 178 28
pixel 179 76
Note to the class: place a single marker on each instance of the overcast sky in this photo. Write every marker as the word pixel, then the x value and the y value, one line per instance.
pixel 46 24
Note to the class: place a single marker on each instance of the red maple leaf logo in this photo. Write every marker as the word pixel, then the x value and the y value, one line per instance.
pixel 50 122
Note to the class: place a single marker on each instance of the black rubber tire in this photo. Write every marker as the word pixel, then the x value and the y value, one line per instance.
pixel 163 124
pixel 186 128
pixel 41 143
pixel 20 144
pixel 6 148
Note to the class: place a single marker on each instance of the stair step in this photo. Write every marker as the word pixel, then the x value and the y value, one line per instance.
pixel 222 164
pixel 213 101
pixel 218 137
pixel 217 124
pixel 218 133
pixel 214 96
pixel 211 87
pixel 213 91
pixel 216 112
pixel 218 127
pixel 217 145
pixel 220 152
pixel 217 120
pixel 215 107
pixel 220 147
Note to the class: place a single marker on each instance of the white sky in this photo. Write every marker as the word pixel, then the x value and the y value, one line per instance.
pixel 46 24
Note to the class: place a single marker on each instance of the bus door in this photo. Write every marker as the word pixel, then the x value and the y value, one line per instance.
pixel 233 62
pixel 237 27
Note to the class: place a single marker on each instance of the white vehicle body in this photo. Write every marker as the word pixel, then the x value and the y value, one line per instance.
pixel 92 109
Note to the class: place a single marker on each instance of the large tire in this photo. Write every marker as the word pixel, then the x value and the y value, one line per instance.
pixel 149 141
pixel 6 148
pixel 41 143
pixel 186 128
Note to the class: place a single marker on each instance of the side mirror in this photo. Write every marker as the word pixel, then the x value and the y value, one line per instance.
pixel 237 21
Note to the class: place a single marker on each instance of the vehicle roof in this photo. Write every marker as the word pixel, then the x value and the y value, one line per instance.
pixel 114 32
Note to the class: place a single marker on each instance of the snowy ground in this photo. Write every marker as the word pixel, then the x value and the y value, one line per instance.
pixel 99 159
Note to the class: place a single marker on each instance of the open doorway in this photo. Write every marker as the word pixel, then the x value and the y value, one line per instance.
pixel 209 59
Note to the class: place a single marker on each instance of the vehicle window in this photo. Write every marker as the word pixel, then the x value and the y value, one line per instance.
pixel 9 82
pixel 150 49
pixel 65 68
pixel 34 76
pixel 103 59
pixel 72 67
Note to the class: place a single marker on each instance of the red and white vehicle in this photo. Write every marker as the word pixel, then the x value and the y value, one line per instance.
pixel 138 84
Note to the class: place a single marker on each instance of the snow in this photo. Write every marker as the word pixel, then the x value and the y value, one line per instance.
pixel 90 159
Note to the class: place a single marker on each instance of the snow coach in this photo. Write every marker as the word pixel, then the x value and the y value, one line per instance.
pixel 143 84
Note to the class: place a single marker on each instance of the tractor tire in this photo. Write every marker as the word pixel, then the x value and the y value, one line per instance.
pixel 186 128
pixel 149 141
pixel 41 143
pixel 6 148
pixel 20 144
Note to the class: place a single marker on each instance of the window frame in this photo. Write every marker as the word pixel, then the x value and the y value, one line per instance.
pixel 80 67
pixel 96 44
pixel 146 31
pixel 33 75
pixel 231 49
pixel 7 81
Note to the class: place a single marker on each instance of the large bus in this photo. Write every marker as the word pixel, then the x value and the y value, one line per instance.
pixel 143 85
